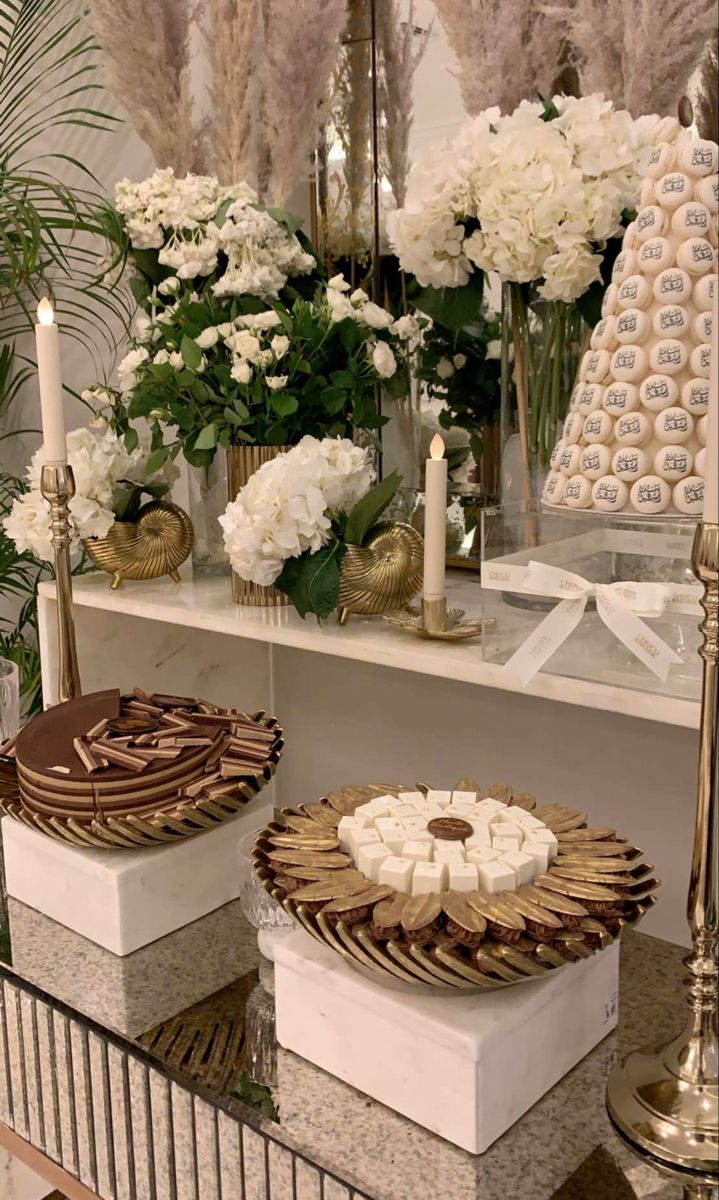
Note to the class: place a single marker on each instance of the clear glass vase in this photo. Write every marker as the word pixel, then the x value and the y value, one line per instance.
pixel 207 488
pixel 542 346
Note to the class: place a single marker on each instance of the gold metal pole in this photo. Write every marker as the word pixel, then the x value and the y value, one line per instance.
pixel 57 485
pixel 665 1099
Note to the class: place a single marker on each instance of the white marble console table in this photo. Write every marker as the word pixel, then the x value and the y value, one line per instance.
pixel 367 702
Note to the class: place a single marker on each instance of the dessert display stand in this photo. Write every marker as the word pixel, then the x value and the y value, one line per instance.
pixel 123 900
pixel 465 1067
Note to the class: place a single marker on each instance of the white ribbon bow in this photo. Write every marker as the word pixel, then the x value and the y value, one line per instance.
pixel 619 605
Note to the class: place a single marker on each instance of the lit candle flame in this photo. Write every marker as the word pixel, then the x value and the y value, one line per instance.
pixel 436 446
pixel 45 314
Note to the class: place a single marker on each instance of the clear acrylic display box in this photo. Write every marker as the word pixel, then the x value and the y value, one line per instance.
pixel 601 549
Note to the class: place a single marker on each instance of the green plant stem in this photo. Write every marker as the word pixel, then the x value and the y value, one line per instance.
pixel 549 429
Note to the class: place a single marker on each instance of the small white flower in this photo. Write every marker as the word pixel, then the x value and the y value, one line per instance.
pixel 127 368
pixel 226 329
pixel 280 345
pixel 359 296
pixel 460 360
pixel 244 343
pixel 169 286
pixel 141 326
pixel 375 317
pixel 341 307
pixel 241 372
pixel 445 368
pixel 338 283
pixel 208 338
pixel 177 361
pixel 406 327
pixel 383 360
pixel 276 382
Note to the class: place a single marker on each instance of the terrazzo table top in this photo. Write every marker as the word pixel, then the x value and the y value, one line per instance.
pixel 562 1149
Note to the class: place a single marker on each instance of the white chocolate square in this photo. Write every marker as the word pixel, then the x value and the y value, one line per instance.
pixel 346 827
pixel 506 844
pixel 418 835
pixel 459 808
pixel 429 877
pixel 464 797
pixel 392 832
pixel 477 840
pixel 417 851
pixel 512 812
pixel 410 797
pixel 441 798
pixel 431 811
pixel 540 852
pixel 448 852
pixel 404 810
pixel 530 823
pixel 482 854
pixel 496 877
pixel 490 806
pixel 379 807
pixel 397 872
pixel 370 859
pixel 482 829
pixel 522 864
pixel 547 838
pixel 462 877
pixel 362 837
pixel 416 824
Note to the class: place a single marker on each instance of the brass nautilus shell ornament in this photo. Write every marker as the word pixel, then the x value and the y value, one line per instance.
pixel 383 574
pixel 155 544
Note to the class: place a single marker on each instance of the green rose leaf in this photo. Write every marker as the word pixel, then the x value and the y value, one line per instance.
pixel 368 510
pixel 157 459
pixel 131 440
pixel 451 307
pixel 284 404
pixel 206 438
pixel 191 353
pixel 312 581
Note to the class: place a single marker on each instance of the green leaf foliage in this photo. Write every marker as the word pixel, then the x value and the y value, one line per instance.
pixel 367 511
pixel 312 581
pixel 191 353
pixel 452 308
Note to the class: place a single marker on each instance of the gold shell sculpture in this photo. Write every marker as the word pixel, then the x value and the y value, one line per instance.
pixel 156 544
pixel 596 886
pixel 383 574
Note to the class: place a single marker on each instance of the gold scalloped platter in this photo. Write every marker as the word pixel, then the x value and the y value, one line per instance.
pixel 139 797
pixel 597 884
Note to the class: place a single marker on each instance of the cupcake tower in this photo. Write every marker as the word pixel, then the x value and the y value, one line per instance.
pixel 634 437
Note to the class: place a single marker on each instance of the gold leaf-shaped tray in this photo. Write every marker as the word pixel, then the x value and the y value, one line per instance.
pixel 179 819
pixel 595 886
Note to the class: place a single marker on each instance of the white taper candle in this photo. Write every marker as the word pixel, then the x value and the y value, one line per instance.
pixel 711 467
pixel 435 520
pixel 47 341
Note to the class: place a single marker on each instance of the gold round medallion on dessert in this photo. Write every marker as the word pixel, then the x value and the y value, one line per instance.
pixel 450 829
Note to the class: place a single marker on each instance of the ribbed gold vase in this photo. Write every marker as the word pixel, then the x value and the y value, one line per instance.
pixel 242 462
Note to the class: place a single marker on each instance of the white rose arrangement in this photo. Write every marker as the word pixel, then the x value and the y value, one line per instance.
pixel 533 195
pixel 221 372
pixel 291 523
pixel 109 480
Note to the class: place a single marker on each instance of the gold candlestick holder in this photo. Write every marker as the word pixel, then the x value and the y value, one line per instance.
pixel 665 1099
pixel 57 485
pixel 435 620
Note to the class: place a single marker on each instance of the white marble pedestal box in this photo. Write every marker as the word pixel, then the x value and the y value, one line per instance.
pixel 125 899
pixel 465 1067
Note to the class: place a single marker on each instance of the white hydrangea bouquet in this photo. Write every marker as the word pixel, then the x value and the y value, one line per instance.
pixel 534 195
pixel 291 523
pixel 109 480
pixel 540 196
pixel 238 339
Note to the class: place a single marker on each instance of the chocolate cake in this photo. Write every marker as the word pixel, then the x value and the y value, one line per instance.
pixel 111 755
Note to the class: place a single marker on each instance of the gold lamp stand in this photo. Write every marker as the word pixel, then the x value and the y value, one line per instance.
pixel 665 1099
pixel 57 485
